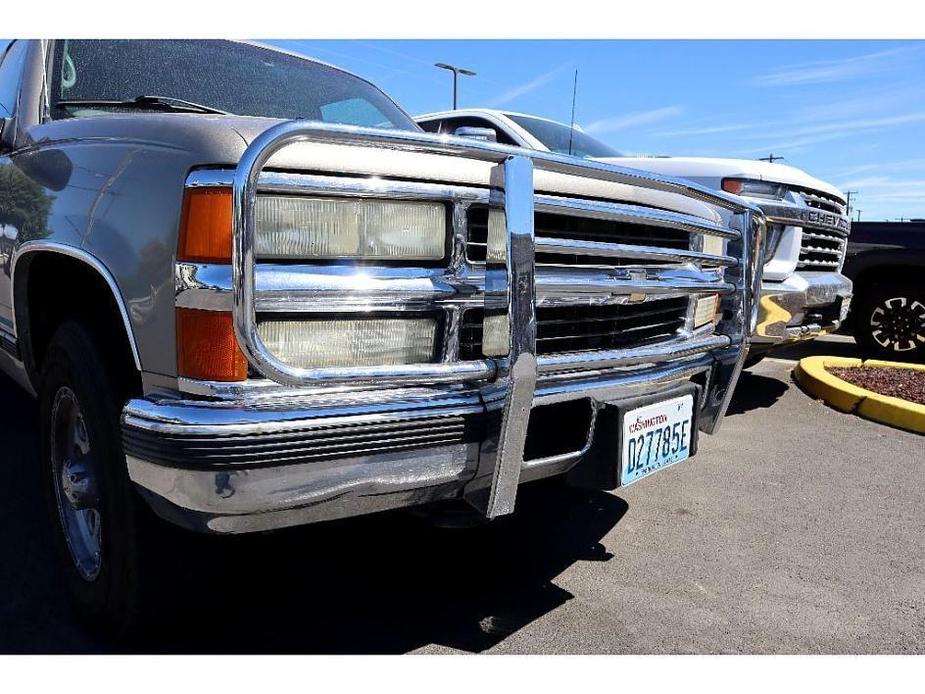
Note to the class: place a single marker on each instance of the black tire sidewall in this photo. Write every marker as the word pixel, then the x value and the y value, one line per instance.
pixel 74 360
pixel 869 301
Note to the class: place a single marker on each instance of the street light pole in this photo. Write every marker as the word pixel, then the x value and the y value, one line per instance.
pixel 457 71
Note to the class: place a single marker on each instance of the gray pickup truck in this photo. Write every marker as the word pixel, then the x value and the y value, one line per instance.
pixel 249 292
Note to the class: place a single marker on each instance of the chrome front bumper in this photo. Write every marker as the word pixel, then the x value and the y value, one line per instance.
pixel 272 461
pixel 804 306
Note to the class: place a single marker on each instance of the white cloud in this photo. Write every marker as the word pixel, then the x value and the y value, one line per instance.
pixel 837 70
pixel 630 120
pixel 531 86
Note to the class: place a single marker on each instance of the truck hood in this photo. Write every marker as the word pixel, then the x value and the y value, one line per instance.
pixel 454 170
pixel 708 167
pixel 219 141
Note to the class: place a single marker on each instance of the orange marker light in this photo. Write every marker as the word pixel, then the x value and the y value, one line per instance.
pixel 732 185
pixel 205 227
pixel 207 348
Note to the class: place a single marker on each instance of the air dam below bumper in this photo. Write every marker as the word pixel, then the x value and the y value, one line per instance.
pixel 805 305
pixel 265 461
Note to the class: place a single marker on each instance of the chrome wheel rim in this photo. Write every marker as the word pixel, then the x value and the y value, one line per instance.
pixel 898 324
pixel 75 479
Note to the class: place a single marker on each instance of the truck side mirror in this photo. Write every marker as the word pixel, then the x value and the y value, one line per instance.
pixel 484 134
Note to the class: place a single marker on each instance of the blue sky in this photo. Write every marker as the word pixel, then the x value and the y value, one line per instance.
pixel 850 112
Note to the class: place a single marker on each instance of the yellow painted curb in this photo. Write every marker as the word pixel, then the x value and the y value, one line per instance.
pixel 812 374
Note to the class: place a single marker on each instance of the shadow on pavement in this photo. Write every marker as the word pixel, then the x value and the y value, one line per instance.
pixel 755 391
pixel 825 347
pixel 384 584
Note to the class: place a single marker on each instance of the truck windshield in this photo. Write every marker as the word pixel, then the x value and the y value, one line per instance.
pixel 556 138
pixel 92 78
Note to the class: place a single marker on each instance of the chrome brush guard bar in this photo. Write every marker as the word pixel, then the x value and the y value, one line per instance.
pixel 516 373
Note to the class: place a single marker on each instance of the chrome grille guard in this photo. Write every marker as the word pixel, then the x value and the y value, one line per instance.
pixel 511 288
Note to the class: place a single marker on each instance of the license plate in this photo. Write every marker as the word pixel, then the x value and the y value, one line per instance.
pixel 656 436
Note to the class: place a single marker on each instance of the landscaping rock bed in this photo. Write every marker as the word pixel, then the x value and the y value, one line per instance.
pixel 907 384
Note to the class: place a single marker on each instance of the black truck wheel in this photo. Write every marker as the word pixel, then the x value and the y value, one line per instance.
pixel 104 536
pixel 889 320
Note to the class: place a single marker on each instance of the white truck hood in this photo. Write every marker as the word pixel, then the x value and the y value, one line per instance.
pixel 708 167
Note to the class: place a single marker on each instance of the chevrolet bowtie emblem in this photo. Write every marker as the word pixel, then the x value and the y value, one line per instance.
pixel 637 276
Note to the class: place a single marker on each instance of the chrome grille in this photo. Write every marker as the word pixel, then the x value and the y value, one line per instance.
pixel 586 328
pixel 590 230
pixel 821 250
pixel 821 201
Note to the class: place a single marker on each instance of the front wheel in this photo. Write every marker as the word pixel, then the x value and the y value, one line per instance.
pixel 102 531
pixel 889 321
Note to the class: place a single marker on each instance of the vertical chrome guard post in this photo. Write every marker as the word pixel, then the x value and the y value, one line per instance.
pixel 748 284
pixel 521 311
pixel 756 227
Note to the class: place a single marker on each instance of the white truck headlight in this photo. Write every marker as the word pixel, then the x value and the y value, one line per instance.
pixel 297 228
pixel 752 188
pixel 321 343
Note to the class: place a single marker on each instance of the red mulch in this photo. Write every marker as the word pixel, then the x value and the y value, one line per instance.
pixel 907 384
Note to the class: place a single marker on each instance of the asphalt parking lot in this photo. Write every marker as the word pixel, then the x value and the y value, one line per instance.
pixel 797 530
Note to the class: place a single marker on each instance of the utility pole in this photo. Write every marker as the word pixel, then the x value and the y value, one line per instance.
pixel 457 71
pixel 770 158
pixel 848 194
pixel 859 215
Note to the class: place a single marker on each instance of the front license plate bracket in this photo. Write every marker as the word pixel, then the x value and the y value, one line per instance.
pixel 600 468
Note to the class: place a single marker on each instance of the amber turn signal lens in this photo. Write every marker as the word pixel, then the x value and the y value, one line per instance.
pixel 207 348
pixel 732 185
pixel 205 228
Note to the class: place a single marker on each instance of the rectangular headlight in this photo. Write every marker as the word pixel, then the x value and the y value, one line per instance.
pixel 292 228
pixel 714 245
pixel 706 310
pixel 321 343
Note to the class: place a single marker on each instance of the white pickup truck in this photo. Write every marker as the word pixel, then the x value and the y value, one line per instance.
pixel 804 294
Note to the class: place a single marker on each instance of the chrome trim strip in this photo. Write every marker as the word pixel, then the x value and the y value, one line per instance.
pixel 92 261
pixel 621 212
pixel 287 288
pixel 812 217
pixel 660 352
pixel 285 414
pixel 619 250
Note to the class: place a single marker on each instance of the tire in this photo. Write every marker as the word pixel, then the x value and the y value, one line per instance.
pixel 889 321
pixel 90 500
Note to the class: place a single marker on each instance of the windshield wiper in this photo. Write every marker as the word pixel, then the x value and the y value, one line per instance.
pixel 162 103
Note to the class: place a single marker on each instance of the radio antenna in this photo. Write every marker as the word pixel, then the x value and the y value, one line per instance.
pixel 571 129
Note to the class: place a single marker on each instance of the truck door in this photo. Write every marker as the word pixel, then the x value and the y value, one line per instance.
pixel 12 211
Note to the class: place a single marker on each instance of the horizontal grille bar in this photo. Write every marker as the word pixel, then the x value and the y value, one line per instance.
pixel 821 250
pixel 595 250
pixel 823 202
pixel 648 354
pixel 559 229
pixel 584 328
pixel 620 212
